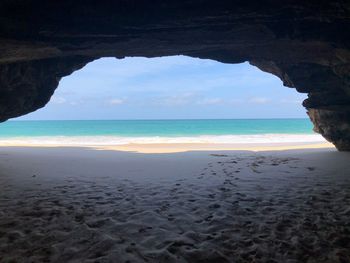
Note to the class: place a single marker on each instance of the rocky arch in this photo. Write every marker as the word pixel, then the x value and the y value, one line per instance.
pixel 304 43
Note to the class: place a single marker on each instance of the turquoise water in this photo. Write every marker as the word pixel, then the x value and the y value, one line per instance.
pixel 148 128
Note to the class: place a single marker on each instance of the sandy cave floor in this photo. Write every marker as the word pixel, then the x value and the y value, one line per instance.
pixel 82 205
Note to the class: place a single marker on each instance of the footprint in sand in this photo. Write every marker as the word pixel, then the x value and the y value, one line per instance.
pixel 229 182
pixel 214 206
pixel 212 196
pixel 311 168
pixel 170 218
pixel 224 189
pixel 219 155
pixel 254 167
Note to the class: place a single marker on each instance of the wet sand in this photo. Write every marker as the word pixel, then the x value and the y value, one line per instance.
pixel 84 205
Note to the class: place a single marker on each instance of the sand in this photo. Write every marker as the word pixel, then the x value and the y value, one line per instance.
pixel 184 147
pixel 175 147
pixel 84 205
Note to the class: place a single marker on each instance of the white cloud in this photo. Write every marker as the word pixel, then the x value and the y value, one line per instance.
pixel 116 101
pixel 259 100
pixel 210 101
pixel 58 100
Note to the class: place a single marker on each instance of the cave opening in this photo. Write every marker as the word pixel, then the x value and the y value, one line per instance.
pixel 171 100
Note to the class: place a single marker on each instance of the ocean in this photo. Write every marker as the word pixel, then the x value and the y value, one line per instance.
pixel 159 131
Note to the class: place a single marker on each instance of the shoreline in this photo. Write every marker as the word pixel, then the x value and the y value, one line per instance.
pixel 161 144
pixel 185 147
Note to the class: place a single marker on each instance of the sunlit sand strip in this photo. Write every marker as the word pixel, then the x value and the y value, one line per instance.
pixel 153 145
pixel 185 147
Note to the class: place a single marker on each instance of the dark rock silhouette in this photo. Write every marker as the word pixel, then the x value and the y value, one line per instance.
pixel 305 43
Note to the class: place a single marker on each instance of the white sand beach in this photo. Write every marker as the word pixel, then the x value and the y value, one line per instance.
pixel 155 144
pixel 67 204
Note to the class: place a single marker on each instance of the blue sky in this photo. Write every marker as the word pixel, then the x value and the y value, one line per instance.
pixel 175 87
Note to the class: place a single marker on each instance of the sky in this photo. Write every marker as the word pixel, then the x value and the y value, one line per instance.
pixel 176 87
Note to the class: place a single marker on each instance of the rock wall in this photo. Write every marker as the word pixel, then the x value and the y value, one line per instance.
pixel 305 43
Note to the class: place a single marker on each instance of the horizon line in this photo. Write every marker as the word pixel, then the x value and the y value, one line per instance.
pixel 175 119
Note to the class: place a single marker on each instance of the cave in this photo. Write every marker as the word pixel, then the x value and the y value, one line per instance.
pixel 304 43
pixel 95 204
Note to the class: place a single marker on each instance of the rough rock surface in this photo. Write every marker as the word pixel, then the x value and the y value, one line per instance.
pixel 305 43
